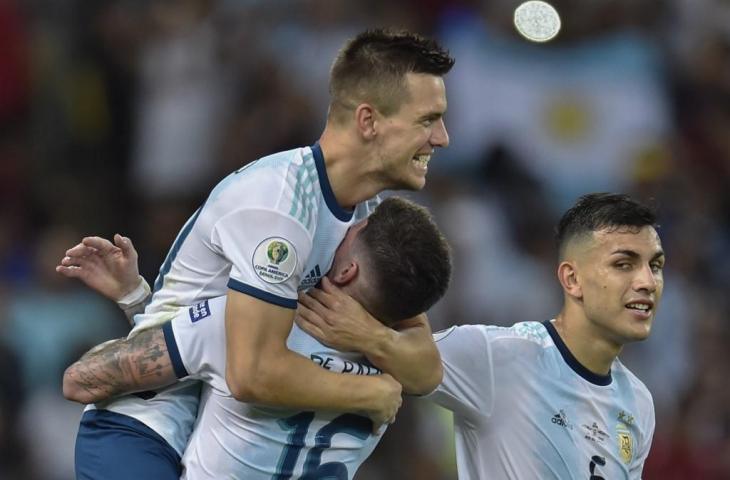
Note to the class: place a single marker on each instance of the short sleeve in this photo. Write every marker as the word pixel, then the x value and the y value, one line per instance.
pixel 468 384
pixel 196 342
pixel 267 250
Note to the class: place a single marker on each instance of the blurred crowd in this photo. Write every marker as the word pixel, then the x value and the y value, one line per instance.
pixel 120 115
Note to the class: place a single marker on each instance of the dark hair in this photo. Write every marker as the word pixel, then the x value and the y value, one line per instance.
pixel 407 258
pixel 597 211
pixel 372 66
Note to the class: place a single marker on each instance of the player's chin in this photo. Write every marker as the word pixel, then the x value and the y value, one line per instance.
pixel 416 178
pixel 639 331
pixel 411 182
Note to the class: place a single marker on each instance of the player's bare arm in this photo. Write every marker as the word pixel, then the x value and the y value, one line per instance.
pixel 121 366
pixel 261 369
pixel 406 351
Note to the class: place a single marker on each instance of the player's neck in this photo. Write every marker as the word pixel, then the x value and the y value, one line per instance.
pixel 348 170
pixel 593 350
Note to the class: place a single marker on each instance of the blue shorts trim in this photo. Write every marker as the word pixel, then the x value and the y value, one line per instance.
pixel 112 446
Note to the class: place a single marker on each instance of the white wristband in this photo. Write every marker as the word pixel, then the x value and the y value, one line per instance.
pixel 136 296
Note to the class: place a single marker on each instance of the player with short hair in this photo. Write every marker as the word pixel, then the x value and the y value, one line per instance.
pixel 551 399
pixel 239 440
pixel 267 231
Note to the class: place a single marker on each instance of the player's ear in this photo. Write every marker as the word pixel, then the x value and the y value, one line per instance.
pixel 345 274
pixel 365 117
pixel 568 277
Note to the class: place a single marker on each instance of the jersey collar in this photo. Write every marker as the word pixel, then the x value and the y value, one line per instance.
pixel 572 362
pixel 324 183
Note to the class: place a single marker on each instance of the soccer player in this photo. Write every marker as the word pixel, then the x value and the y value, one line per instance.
pixel 551 399
pixel 270 229
pixel 396 263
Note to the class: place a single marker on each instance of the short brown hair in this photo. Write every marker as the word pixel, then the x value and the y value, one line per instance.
pixel 372 67
pixel 407 258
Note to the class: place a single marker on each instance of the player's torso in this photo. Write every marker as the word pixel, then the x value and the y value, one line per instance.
pixel 243 441
pixel 293 185
pixel 548 422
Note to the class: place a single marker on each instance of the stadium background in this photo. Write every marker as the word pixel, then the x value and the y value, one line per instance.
pixel 119 116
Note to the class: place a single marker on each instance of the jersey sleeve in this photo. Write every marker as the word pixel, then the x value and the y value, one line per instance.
pixel 468 384
pixel 267 250
pixel 196 342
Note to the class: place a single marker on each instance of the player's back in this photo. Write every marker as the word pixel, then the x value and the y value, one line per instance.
pixel 237 440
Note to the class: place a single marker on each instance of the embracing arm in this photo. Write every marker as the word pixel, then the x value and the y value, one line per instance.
pixel 120 366
pixel 261 369
pixel 406 351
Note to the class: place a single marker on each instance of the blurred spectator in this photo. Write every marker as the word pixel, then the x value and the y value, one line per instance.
pixel 183 102
pixel 52 317
pixel 13 452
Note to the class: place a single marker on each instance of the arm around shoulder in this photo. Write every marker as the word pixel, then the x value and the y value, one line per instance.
pixel 120 366
pixel 409 353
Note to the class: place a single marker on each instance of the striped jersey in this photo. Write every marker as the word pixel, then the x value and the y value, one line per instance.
pixel 236 440
pixel 268 230
pixel 525 408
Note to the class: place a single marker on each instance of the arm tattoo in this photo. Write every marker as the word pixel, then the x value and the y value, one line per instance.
pixel 124 365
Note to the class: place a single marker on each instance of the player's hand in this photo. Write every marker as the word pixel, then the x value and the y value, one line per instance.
pixel 336 319
pixel 389 401
pixel 106 267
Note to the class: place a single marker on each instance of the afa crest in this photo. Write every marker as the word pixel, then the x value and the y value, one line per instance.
pixel 625 443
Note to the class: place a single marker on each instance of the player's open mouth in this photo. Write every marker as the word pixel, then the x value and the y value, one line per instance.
pixel 421 161
pixel 642 308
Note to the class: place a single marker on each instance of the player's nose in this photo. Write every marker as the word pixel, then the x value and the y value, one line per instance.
pixel 645 279
pixel 439 135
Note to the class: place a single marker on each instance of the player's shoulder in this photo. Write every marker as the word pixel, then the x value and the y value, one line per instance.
pixel 631 383
pixel 286 182
pixel 533 333
pixel 269 174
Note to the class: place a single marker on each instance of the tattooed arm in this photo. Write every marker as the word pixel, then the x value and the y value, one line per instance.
pixel 120 366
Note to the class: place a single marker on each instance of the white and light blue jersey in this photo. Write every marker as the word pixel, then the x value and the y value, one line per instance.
pixel 236 440
pixel 267 230
pixel 525 408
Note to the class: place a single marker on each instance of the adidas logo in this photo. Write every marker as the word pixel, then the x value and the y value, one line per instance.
pixel 312 278
pixel 561 420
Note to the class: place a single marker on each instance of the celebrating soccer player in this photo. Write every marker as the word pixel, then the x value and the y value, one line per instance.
pixel 270 229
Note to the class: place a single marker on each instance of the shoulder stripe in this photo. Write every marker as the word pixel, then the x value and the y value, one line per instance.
pixel 303 201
